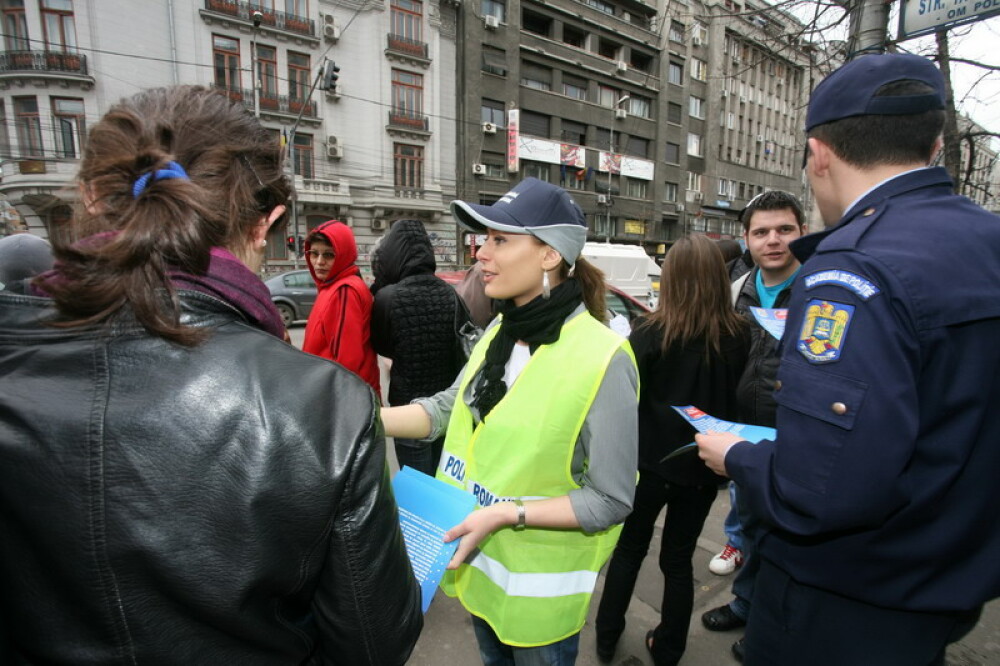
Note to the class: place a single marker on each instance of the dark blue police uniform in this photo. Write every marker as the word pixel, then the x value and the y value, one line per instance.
pixel 881 492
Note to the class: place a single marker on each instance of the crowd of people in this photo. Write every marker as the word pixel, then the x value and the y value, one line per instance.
pixel 180 485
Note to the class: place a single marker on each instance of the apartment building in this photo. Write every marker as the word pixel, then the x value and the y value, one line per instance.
pixel 979 173
pixel 376 148
pixel 661 120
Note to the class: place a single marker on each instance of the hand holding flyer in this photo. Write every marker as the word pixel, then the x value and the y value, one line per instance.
pixel 704 423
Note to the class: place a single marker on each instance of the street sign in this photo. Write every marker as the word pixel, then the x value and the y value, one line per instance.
pixel 922 17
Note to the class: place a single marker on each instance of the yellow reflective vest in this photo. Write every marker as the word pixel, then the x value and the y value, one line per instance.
pixel 532 586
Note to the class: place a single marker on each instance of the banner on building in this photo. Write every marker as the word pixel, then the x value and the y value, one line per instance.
pixel 513 132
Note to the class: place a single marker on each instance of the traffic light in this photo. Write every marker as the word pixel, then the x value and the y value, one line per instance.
pixel 330 76
pixel 290 242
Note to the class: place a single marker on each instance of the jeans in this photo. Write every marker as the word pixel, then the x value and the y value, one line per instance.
pixel 421 456
pixel 687 508
pixel 732 526
pixel 495 653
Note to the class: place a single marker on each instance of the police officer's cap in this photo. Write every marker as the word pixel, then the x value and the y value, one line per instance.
pixel 850 90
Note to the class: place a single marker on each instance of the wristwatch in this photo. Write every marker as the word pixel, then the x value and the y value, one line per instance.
pixel 520 514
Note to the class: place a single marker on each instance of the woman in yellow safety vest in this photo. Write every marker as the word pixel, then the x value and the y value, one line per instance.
pixel 541 429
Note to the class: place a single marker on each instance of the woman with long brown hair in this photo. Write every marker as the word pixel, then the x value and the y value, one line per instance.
pixel 690 351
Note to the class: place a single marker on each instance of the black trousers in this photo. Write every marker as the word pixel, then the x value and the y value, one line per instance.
pixel 793 624
pixel 687 508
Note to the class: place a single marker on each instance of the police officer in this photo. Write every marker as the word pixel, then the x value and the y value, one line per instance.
pixel 880 491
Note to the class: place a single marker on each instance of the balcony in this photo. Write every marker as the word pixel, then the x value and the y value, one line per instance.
pixel 243 11
pixel 43 61
pixel 406 50
pixel 408 124
pixel 271 104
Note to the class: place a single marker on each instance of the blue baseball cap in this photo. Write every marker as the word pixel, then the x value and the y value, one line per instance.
pixel 850 90
pixel 533 207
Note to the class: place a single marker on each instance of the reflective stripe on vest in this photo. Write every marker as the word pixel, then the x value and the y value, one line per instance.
pixel 533 586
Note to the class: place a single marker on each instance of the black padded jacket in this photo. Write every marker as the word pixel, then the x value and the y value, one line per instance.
pixel 222 504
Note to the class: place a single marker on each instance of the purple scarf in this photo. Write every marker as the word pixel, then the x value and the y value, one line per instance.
pixel 229 280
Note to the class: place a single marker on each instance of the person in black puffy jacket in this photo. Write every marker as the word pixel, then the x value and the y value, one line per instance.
pixel 413 324
pixel 178 485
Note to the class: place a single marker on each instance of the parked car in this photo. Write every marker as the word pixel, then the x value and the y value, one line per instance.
pixel 618 301
pixel 293 293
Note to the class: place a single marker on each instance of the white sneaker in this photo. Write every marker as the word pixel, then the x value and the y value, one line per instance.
pixel 726 562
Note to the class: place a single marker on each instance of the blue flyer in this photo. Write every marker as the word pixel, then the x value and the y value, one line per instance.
pixel 771 320
pixel 427 509
pixel 704 423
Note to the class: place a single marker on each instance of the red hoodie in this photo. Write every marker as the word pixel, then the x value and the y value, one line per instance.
pixel 339 325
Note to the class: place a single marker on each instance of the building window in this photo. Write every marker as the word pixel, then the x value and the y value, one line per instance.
pixel 68 120
pixel 407 93
pixel 674 113
pixel 675 73
pixel 497 8
pixel 636 188
pixel 676 31
pixel 303 155
pixel 267 72
pixel 696 107
pixel 28 125
pixel 573 36
pixel 694 144
pixel 694 182
pixel 574 133
pixel 408 166
pixel 535 124
pixel 494 60
pixel 699 69
pixel 226 54
pixel 492 111
pixel 537 170
pixel 604 225
pixel 536 23
pixel 4 135
pixel 298 76
pixel 58 25
pixel 640 106
pixel 407 19
pixel 637 146
pixel 670 191
pixel 574 87
pixel 15 26
pixel 536 76
pixel 608 49
pixel 607 96
pixel 673 155
pixel 602 6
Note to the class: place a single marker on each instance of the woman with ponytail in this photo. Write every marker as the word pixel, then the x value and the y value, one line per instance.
pixel 541 430
pixel 178 486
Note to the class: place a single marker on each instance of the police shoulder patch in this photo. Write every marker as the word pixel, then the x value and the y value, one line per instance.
pixel 824 330
pixel 861 286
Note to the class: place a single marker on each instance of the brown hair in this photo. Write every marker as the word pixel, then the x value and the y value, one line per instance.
pixel 592 285
pixel 695 300
pixel 235 175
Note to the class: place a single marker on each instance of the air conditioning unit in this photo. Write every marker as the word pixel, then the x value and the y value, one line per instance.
pixel 491 22
pixel 736 60
pixel 697 196
pixel 779 82
pixel 621 114
pixel 743 99
pixel 760 138
pixel 696 41
pixel 334 152
pixel 378 225
pixel 331 32
pixel 724 94
pixel 479 169
pixel 679 208
pixel 603 199
pixel 489 128
pixel 622 66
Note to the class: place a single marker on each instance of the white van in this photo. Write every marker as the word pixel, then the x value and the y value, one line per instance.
pixel 627 267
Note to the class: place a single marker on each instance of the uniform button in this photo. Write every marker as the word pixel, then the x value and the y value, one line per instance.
pixel 839 408
pixel 777 385
pixel 868 211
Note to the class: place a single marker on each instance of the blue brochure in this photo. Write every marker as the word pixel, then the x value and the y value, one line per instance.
pixel 704 423
pixel 771 320
pixel 427 509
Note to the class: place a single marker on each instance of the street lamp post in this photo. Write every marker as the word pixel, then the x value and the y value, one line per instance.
pixel 611 162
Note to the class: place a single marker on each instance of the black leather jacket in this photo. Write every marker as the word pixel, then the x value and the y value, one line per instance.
pixel 223 504
pixel 755 392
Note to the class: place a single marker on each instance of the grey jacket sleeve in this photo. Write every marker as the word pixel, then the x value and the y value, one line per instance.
pixel 609 444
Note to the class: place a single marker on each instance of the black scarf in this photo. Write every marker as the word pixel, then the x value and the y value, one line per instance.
pixel 537 322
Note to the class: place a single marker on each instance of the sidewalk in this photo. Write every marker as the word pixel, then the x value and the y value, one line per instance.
pixel 447 639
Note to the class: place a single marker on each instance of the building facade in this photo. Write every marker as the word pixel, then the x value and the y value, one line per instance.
pixel 379 146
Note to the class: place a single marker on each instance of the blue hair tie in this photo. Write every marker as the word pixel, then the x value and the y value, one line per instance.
pixel 173 170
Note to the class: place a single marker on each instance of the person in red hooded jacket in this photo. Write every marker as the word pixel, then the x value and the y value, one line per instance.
pixel 340 322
